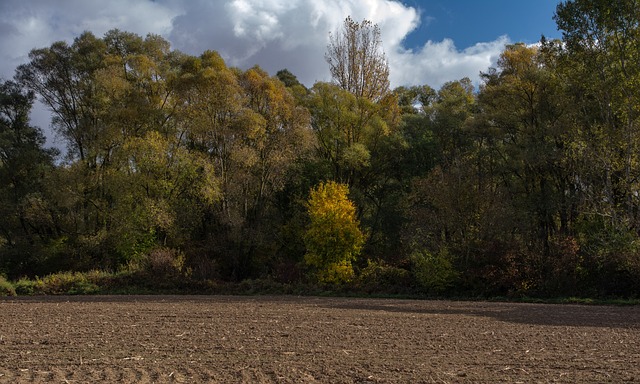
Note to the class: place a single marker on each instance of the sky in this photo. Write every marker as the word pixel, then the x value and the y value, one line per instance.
pixel 425 41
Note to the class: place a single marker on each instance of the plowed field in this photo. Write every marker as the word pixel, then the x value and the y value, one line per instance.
pixel 193 339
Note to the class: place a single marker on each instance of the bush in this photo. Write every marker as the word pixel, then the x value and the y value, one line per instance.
pixel 288 272
pixel 28 287
pixel 434 273
pixel 200 266
pixel 165 262
pixel 609 259
pixel 6 288
pixel 379 277
pixel 68 283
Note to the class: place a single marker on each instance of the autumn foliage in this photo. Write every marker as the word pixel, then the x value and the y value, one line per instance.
pixel 333 237
pixel 524 184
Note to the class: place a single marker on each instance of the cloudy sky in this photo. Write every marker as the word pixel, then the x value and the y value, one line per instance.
pixel 426 41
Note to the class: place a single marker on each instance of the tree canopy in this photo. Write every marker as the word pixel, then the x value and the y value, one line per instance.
pixel 524 184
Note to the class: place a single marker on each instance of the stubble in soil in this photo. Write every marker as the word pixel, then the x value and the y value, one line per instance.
pixel 203 339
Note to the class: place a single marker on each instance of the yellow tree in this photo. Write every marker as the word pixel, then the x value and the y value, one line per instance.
pixel 333 238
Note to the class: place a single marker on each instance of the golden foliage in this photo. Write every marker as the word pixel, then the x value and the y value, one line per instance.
pixel 333 238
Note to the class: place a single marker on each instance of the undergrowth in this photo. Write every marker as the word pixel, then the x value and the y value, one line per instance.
pixel 6 288
pixel 141 282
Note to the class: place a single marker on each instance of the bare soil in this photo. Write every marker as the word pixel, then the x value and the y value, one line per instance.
pixel 204 339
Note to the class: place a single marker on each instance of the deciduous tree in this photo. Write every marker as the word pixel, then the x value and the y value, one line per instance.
pixel 27 223
pixel 333 238
pixel 356 60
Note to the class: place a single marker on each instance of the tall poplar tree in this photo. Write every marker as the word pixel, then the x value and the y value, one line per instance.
pixel 357 61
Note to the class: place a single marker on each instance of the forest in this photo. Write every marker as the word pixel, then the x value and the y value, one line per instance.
pixel 527 184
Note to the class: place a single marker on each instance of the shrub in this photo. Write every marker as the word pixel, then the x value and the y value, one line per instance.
pixel 6 288
pixel 609 259
pixel 28 287
pixel 200 266
pixel 288 271
pixel 165 262
pixel 380 277
pixel 68 283
pixel 434 272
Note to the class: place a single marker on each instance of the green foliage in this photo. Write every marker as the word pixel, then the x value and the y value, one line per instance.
pixel 27 222
pixel 157 276
pixel 70 283
pixel 288 79
pixel 380 277
pixel 350 128
pixel 415 99
pixel 609 258
pixel 333 238
pixel 6 288
pixel 434 272
pixel 182 172
pixel 29 287
pixel 63 283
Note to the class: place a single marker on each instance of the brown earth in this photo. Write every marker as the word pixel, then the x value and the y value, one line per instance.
pixel 191 339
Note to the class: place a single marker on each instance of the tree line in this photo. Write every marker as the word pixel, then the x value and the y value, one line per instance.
pixel 528 184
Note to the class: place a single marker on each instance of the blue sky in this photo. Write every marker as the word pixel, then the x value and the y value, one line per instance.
pixel 468 22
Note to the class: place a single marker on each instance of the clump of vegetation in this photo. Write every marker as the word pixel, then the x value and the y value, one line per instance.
pixel 433 272
pixel 29 287
pixel 164 262
pixel 381 277
pixel 6 288
pixel 69 283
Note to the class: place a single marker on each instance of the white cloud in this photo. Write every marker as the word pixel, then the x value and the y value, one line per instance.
pixel 438 62
pixel 280 34
pixel 274 34
pixel 25 25
pixel 38 23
